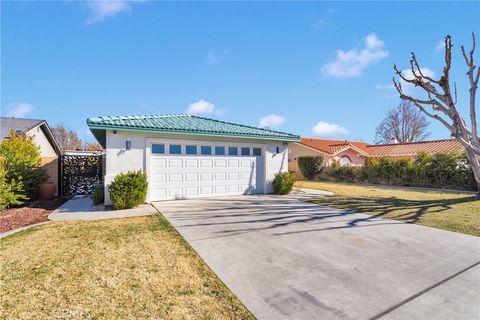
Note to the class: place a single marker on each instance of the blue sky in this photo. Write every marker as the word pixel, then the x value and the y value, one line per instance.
pixel 271 63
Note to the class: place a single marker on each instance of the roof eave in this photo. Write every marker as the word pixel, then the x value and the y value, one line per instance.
pixel 198 133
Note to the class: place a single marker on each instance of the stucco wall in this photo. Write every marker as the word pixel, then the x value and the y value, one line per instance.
pixel 357 160
pixel 40 139
pixel 119 160
pixel 48 154
pixel 50 164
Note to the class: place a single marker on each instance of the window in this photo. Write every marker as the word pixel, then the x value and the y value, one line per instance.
pixel 158 148
pixel 191 150
pixel 257 152
pixel 175 149
pixel 232 151
pixel 206 150
pixel 220 151
pixel 245 151
pixel 345 161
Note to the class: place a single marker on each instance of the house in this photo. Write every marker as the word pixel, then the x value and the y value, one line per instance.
pixel 354 153
pixel 49 149
pixel 187 156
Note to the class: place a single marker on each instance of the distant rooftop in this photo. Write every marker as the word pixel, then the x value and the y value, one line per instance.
pixel 23 125
pixel 392 149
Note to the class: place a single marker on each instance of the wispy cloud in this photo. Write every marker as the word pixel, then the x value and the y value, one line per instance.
pixel 440 46
pixel 19 109
pixel 325 129
pixel 215 57
pixel 272 121
pixel 201 107
pixel 387 87
pixel 352 63
pixel 103 9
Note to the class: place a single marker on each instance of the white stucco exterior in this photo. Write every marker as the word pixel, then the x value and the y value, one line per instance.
pixel 119 159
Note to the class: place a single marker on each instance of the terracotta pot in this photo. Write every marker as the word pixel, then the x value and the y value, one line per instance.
pixel 47 190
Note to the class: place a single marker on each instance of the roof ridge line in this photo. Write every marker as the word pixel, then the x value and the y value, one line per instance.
pixel 244 125
pixel 407 143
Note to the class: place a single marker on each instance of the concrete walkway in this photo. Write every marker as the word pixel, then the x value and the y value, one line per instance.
pixel 288 259
pixel 82 209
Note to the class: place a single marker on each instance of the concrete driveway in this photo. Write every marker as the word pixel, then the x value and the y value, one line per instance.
pixel 287 259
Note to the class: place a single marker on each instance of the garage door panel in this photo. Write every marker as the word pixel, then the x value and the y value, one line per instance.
pixel 206 190
pixel 158 178
pixel 220 162
pixel 191 191
pixel 175 163
pixel 208 176
pixel 159 163
pixel 190 176
pixel 220 189
pixel 175 177
pixel 191 163
pixel 206 163
pixel 220 176
pixel 175 192
pixel 233 163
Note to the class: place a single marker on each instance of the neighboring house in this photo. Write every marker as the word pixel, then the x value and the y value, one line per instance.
pixel 187 156
pixel 354 153
pixel 42 136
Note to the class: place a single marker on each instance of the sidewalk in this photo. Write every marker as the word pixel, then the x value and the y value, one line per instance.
pixel 82 209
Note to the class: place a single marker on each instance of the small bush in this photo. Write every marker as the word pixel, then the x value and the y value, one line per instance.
pixel 98 195
pixel 128 190
pixel 283 182
pixel 310 167
pixel 11 191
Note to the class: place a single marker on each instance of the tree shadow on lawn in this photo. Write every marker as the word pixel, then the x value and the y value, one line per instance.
pixel 410 211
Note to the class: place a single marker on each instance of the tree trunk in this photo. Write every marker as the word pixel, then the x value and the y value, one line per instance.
pixel 474 160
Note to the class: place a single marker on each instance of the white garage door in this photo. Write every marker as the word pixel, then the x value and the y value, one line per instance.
pixel 193 169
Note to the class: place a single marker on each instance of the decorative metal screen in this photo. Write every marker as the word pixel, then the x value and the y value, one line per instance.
pixel 80 174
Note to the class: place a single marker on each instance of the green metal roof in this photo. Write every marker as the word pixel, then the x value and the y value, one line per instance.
pixel 182 124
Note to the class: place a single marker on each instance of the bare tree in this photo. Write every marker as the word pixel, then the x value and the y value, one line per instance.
pixel 89 146
pixel 404 123
pixel 440 104
pixel 66 138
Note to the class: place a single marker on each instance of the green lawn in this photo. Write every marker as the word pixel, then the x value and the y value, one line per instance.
pixel 458 212
pixel 134 268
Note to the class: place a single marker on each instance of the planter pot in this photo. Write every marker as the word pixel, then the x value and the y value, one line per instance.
pixel 47 190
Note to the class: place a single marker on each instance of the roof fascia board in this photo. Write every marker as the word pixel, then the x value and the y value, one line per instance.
pixel 103 127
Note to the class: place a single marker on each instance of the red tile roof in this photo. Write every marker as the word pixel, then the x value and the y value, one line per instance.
pixel 412 148
pixel 332 146
pixel 397 149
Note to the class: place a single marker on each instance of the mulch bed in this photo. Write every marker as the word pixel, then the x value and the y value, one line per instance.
pixel 31 213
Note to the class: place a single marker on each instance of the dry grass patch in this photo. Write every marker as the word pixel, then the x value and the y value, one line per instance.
pixel 458 212
pixel 134 268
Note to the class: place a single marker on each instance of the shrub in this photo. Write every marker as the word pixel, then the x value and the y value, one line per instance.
pixel 283 182
pixel 98 195
pixel 22 161
pixel 128 190
pixel 11 191
pixel 310 166
pixel 442 170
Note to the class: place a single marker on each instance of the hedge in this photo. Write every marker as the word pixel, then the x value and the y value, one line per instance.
pixel 310 166
pixel 441 170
